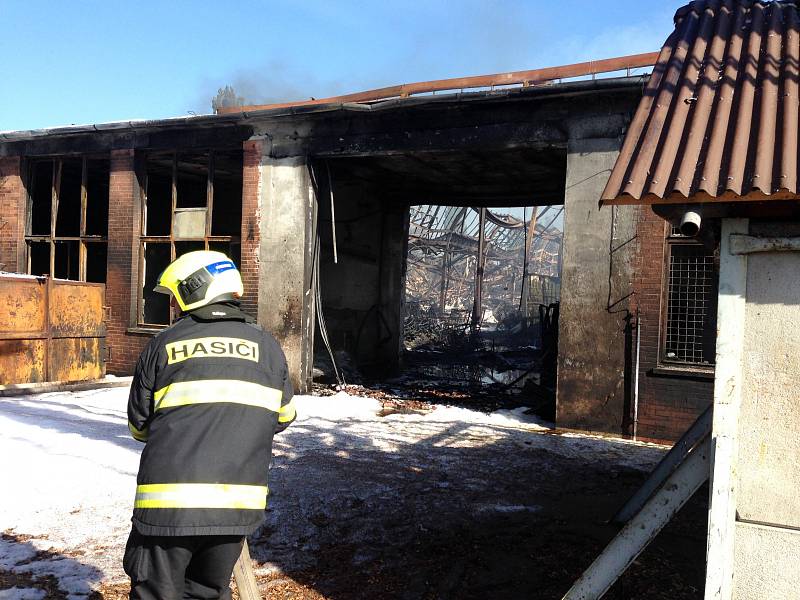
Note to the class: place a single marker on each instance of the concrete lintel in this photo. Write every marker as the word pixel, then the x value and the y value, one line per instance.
pixel 750 244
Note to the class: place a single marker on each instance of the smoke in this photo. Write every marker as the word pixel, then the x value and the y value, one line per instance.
pixel 274 81
pixel 369 46
pixel 423 41
pixel 277 81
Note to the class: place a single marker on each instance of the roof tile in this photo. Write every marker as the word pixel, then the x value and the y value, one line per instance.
pixel 719 117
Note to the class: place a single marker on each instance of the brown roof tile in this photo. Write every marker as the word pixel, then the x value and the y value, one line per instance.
pixel 719 117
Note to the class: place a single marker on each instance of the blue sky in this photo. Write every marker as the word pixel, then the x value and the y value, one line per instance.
pixel 93 61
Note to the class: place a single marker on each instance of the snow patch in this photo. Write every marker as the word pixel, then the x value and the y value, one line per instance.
pixel 18 593
pixel 12 553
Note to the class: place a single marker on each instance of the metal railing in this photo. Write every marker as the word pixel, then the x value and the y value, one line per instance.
pixel 515 78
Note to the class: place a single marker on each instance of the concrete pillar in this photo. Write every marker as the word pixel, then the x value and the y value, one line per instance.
pixel 596 283
pixel 392 287
pixel 287 230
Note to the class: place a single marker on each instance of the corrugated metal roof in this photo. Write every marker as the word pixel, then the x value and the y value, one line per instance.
pixel 719 117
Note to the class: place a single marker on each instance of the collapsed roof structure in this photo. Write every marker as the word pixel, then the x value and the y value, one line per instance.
pixel 443 249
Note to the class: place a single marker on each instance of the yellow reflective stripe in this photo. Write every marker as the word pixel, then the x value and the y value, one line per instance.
pixel 211 347
pixel 201 495
pixel 287 412
pixel 218 390
pixel 138 434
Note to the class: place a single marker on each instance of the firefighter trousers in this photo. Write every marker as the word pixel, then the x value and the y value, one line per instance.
pixel 181 567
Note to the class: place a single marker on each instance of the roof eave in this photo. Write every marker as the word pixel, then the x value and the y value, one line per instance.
pixel 699 198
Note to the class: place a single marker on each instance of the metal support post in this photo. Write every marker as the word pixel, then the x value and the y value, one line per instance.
pixel 477 306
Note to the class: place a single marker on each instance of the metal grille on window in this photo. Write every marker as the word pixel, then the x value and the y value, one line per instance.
pixel 691 305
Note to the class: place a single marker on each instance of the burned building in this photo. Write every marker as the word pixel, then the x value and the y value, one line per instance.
pixel 314 202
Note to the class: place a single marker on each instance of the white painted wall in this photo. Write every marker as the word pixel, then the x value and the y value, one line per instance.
pixel 754 522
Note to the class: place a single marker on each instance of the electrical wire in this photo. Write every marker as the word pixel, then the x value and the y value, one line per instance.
pixel 316 285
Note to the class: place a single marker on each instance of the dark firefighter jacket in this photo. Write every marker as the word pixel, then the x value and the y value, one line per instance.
pixel 207 396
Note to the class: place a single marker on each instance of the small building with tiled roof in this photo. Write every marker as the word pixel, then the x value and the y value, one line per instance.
pixel 713 147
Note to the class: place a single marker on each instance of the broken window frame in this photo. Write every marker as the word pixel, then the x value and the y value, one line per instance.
pixel 674 239
pixel 82 239
pixel 207 239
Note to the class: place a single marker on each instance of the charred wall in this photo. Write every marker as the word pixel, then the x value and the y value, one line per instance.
pixel 596 285
pixel 363 288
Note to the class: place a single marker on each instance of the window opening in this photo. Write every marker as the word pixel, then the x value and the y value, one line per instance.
pixel 227 217
pixel 67 225
pixel 689 332
pixel 180 194
pixel 97 194
pixel 192 180
pixel 231 249
pixel 67 260
pixel 184 247
pixel 154 306
pixel 41 193
pixel 39 258
pixel 69 185
pixel 96 260
pixel 159 194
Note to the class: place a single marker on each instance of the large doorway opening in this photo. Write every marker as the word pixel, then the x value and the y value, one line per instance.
pixel 481 310
pixel 414 300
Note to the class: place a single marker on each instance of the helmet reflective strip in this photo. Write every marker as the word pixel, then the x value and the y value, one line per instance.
pixel 209 391
pixel 201 495
pixel 220 267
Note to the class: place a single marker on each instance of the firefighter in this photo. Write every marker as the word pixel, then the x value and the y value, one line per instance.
pixel 208 394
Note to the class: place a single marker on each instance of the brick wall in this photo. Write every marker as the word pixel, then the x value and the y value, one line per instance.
pixel 667 404
pixel 121 287
pixel 251 187
pixel 12 215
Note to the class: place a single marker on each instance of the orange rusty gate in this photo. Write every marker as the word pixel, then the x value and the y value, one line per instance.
pixel 50 330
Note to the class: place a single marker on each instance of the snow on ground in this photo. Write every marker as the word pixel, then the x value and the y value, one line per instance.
pixel 19 593
pixel 69 472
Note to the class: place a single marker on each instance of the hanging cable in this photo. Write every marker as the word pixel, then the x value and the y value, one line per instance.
pixel 333 214
pixel 316 287
pixel 323 329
